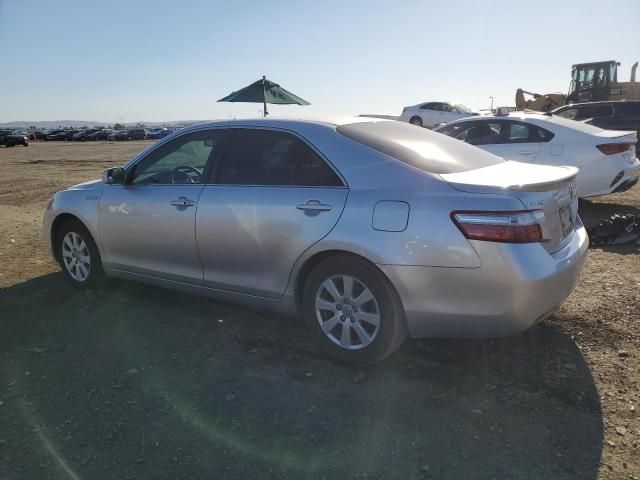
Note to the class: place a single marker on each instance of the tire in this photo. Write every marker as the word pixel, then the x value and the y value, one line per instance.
pixel 415 120
pixel 25 144
pixel 345 312
pixel 89 274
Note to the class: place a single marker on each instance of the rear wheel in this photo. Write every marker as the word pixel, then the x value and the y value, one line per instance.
pixel 352 310
pixel 417 121
pixel 78 255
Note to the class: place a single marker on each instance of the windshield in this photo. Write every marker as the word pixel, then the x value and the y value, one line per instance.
pixel 428 151
pixel 462 108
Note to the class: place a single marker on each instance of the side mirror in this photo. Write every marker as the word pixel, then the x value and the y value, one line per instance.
pixel 113 176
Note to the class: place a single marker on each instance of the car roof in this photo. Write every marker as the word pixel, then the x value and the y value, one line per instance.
pixel 540 119
pixel 600 102
pixel 434 101
pixel 524 116
pixel 286 122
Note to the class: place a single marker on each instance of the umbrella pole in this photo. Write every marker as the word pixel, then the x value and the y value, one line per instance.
pixel 264 98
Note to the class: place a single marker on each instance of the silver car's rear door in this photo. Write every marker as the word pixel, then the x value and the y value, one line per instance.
pixel 274 196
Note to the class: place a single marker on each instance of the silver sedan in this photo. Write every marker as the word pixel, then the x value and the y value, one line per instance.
pixel 368 230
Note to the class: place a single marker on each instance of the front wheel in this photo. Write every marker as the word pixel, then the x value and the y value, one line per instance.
pixel 352 310
pixel 78 255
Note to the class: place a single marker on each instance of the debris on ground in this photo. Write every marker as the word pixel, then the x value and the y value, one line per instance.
pixel 615 230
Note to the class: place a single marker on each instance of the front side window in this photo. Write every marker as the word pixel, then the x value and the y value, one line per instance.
pixel 569 113
pixel 267 157
pixel 462 109
pixel 469 132
pixel 181 161
pixel 592 111
pixel 456 130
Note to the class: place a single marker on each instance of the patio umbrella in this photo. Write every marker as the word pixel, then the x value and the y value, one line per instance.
pixel 264 91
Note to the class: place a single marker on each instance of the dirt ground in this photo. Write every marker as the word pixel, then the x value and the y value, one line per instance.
pixel 135 382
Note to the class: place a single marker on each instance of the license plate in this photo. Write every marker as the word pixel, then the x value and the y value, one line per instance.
pixel 566 222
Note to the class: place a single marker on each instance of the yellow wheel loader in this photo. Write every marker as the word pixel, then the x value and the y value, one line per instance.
pixel 590 82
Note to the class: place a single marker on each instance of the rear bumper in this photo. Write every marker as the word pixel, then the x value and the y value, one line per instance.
pixel 516 287
pixel 626 185
pixel 620 177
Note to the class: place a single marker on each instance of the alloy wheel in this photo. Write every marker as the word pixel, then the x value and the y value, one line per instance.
pixel 347 311
pixel 76 256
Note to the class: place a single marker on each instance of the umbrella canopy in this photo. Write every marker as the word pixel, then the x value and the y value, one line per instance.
pixel 264 91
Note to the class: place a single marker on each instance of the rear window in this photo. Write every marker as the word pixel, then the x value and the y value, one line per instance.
pixel 421 148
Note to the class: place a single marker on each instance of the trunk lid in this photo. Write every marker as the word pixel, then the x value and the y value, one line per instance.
pixel 539 187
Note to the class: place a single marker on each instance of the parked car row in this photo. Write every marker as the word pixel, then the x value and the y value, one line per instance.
pixel 93 134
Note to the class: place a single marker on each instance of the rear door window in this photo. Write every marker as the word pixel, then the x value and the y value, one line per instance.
pixel 505 132
pixel 269 157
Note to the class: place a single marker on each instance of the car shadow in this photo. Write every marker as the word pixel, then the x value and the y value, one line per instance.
pixel 133 381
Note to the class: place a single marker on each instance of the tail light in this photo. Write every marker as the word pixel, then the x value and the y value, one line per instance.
pixel 505 227
pixel 613 148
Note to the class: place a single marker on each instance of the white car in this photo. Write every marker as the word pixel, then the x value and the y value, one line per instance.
pixel 432 114
pixel 606 158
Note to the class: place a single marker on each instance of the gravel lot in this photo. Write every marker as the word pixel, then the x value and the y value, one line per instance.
pixel 135 382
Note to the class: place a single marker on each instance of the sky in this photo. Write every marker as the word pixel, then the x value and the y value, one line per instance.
pixel 118 60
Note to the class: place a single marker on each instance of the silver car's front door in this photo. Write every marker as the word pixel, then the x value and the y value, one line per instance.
pixel 147 226
pixel 274 198
pixel 150 230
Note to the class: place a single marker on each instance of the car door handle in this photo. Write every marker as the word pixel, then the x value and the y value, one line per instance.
pixel 182 202
pixel 526 152
pixel 314 206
